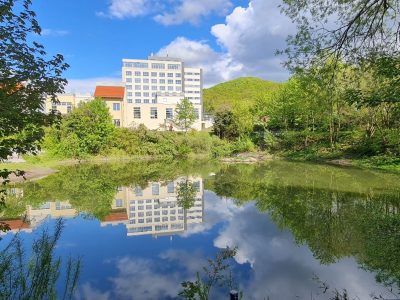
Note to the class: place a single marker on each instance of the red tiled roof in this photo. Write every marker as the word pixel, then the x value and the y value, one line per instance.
pixel 116 216
pixel 109 92
pixel 16 224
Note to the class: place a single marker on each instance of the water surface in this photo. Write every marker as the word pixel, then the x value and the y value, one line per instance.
pixel 302 231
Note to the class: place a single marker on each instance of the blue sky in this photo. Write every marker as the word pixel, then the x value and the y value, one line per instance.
pixel 227 38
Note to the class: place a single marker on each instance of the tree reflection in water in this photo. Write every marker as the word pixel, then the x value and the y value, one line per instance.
pixel 37 276
pixel 218 273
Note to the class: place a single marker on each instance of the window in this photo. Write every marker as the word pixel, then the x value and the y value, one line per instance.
pixel 145 73
pixel 157 66
pixel 178 89
pixel 162 74
pixel 169 113
pixel 153 74
pixel 129 80
pixel 154 81
pixel 138 94
pixel 170 186
pixel 153 113
pixel 154 88
pixel 178 75
pixel 146 94
pixel 117 122
pixel 128 73
pixel 138 87
pixel 138 73
pixel 146 101
pixel 138 100
pixel 118 203
pixel 145 80
pixel 170 88
pixel 155 189
pixel 153 100
pixel 128 87
pixel 138 191
pixel 178 81
pixel 69 109
pixel 162 81
pixel 162 88
pixel 173 66
pixel 137 113
pixel 140 65
pixel 170 74
pixel 138 80
pixel 196 112
pixel 116 106
pixel 146 87
pixel 170 81
pixel 129 100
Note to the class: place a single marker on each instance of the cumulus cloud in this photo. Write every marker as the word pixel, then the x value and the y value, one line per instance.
pixel 170 12
pixel 248 41
pixel 192 11
pixel 217 66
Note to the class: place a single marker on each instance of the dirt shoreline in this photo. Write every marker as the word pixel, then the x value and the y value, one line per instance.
pixel 31 175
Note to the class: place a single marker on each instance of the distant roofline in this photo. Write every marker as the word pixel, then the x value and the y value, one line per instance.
pixel 153 57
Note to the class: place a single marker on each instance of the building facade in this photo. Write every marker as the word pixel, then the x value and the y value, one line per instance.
pixel 66 102
pixel 148 94
pixel 153 89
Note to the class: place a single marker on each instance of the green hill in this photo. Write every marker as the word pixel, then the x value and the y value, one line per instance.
pixel 245 90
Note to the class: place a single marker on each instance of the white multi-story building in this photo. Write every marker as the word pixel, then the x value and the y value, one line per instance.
pixel 153 87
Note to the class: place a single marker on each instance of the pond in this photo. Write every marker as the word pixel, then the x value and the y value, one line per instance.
pixel 138 230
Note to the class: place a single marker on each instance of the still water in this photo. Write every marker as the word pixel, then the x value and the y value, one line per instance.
pixel 139 230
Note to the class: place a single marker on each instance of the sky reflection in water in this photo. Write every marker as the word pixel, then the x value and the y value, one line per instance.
pixel 121 262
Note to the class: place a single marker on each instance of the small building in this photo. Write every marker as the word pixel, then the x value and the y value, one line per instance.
pixel 114 98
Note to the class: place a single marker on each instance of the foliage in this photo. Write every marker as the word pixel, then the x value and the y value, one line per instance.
pixel 218 273
pixel 225 126
pixel 345 30
pixel 27 76
pixel 185 115
pixel 36 277
pixel 336 212
pixel 87 130
pixel 245 90
pixel 186 194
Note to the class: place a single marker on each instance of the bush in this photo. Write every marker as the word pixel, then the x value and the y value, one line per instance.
pixel 242 145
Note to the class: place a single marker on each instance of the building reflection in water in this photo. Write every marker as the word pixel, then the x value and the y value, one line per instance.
pixel 155 209
pixel 152 210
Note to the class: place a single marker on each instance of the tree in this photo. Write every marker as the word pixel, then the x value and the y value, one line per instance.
pixel 186 194
pixel 87 130
pixel 341 29
pixel 27 76
pixel 225 125
pixel 185 114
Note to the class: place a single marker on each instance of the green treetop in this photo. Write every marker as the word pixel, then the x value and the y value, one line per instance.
pixel 185 115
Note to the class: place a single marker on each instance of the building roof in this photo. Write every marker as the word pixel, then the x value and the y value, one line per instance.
pixel 116 216
pixel 109 92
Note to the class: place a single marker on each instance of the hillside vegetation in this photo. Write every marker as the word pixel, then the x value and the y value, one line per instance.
pixel 241 91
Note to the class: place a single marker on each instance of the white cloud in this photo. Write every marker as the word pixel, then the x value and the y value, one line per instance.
pixel 54 32
pixel 248 38
pixel 217 66
pixel 88 85
pixel 169 12
pixel 192 11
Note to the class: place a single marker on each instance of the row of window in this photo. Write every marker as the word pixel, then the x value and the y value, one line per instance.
pixel 143 65
pixel 156 220
pixel 153 74
pixel 137 114
pixel 189 73
pixel 153 88
pixel 153 81
pixel 160 88
pixel 190 79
